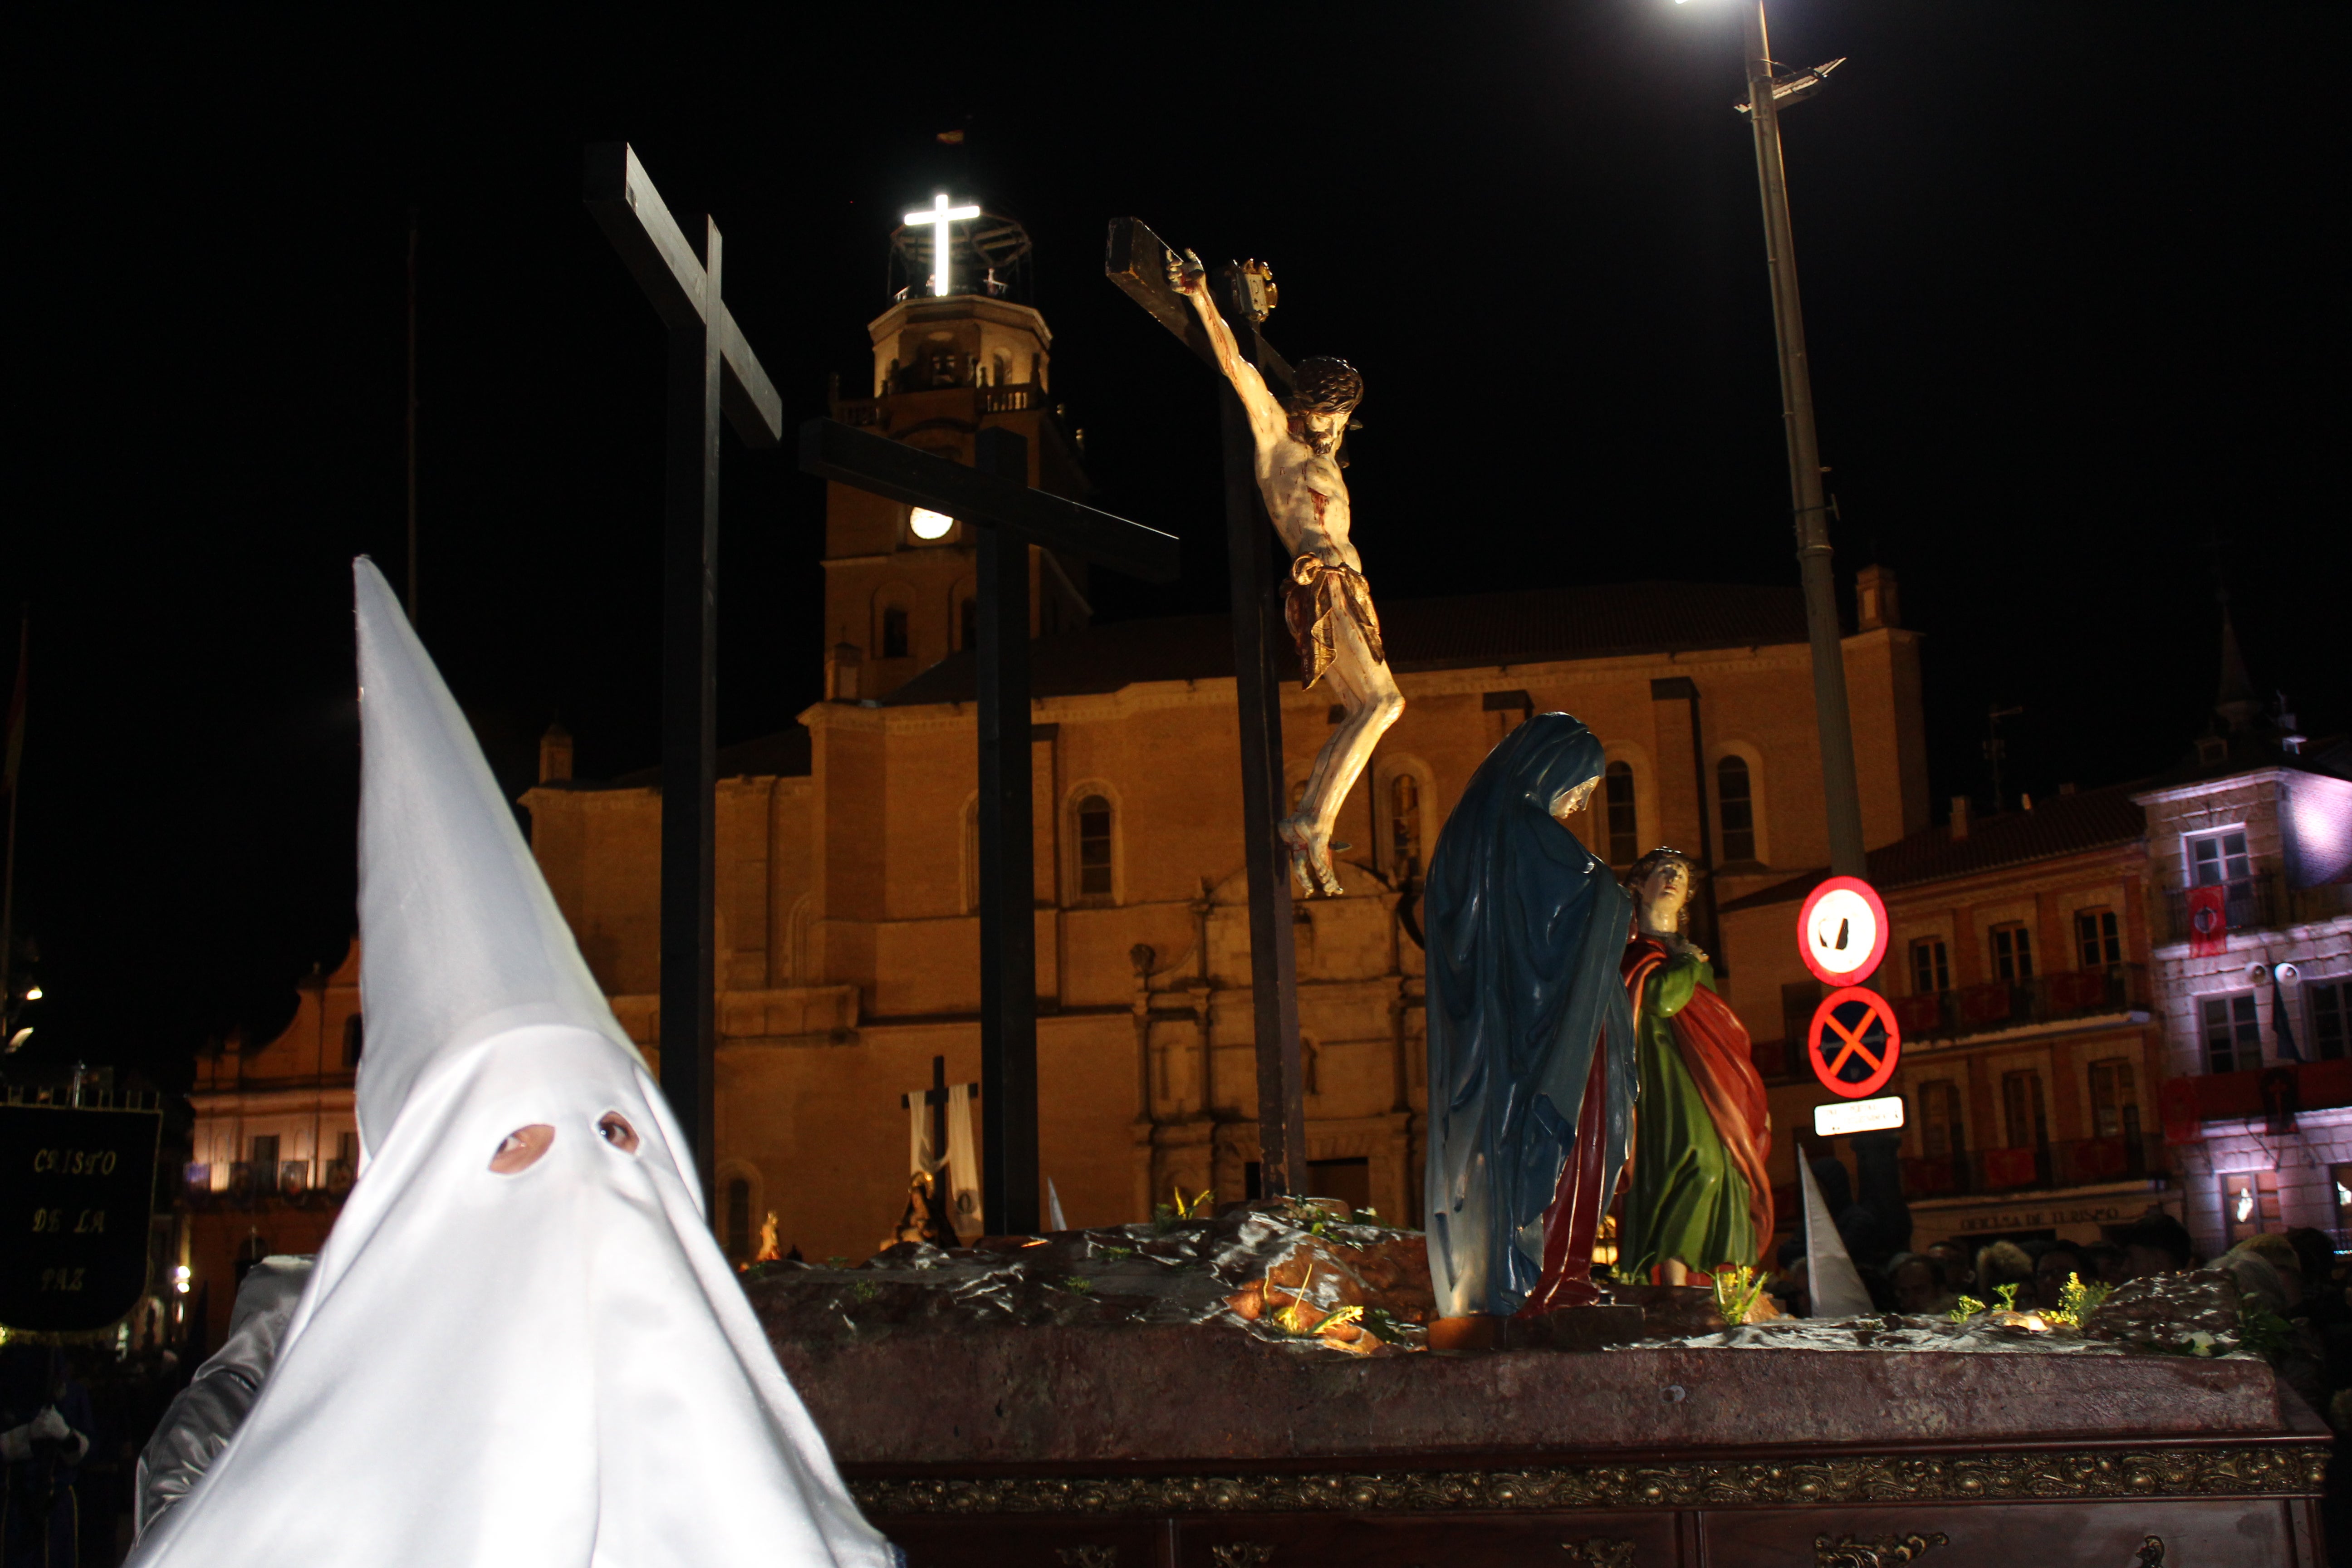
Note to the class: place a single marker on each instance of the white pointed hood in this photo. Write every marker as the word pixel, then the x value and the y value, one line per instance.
pixel 461 938
pixel 1831 1281
pixel 549 1366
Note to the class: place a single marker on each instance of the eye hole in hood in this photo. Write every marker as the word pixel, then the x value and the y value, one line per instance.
pixel 615 1129
pixel 522 1149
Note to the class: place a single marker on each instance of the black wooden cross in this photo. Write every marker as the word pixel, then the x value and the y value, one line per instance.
pixel 936 1096
pixel 994 496
pixel 711 368
pixel 1138 261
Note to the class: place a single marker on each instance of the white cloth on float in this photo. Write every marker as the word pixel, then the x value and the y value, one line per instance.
pixel 554 1368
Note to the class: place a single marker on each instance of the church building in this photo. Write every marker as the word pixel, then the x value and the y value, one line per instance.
pixel 848 948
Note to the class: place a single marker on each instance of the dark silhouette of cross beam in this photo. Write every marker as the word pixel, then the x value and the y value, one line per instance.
pixel 711 367
pixel 1008 516
pixel 1137 261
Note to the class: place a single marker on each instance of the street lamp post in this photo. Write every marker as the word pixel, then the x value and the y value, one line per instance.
pixel 1841 794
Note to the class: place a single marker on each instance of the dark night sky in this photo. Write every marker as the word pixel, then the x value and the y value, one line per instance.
pixel 2071 273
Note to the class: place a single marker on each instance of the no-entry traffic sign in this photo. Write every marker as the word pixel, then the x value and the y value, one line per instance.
pixel 1855 1042
pixel 1842 931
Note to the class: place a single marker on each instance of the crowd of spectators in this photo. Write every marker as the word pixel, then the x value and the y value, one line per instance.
pixel 73 1421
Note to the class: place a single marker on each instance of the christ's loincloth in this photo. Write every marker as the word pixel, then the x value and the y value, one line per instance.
pixel 1318 595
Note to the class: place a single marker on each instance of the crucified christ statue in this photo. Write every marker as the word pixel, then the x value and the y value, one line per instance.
pixel 1329 605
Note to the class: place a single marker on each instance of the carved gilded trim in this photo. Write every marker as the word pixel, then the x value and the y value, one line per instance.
pixel 2263 1471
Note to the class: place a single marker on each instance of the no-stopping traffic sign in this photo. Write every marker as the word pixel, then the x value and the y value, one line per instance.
pixel 1854 1043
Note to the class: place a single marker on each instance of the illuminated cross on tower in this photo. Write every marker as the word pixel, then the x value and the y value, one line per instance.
pixel 938 217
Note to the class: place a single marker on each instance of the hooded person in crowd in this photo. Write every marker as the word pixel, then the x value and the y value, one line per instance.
pixel 45 1427
pixel 520 1347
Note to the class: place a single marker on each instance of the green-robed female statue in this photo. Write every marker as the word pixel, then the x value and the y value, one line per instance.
pixel 1700 1199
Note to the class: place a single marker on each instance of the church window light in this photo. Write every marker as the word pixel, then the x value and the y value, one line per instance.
pixel 893 632
pixel 2098 938
pixel 2114 1106
pixel 1094 848
pixel 2331 1017
pixel 2234 1040
pixel 1931 966
pixel 1404 825
pixel 738 1219
pixel 2012 953
pixel 1738 809
pixel 1624 827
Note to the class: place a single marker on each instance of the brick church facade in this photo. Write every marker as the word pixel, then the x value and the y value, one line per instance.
pixel 848 948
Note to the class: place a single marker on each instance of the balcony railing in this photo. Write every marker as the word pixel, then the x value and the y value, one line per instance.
pixel 2280 1091
pixel 1012 398
pixel 2077 1162
pixel 288 1181
pixel 1995 1006
pixel 2008 1005
pixel 2248 903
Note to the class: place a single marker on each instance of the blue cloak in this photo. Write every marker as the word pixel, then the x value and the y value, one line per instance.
pixel 1524 930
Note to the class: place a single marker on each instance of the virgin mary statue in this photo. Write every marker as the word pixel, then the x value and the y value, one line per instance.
pixel 1531 1068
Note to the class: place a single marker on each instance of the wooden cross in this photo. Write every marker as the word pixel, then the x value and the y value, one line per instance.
pixel 1008 516
pixel 936 1096
pixel 711 367
pixel 1138 261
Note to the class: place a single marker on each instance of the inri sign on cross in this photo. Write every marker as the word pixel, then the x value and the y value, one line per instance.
pixel 938 217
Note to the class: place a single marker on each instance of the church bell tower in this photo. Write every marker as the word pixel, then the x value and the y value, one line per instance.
pixel 951 359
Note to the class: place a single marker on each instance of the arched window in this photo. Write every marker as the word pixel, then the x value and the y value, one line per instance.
pixel 893 632
pixel 1625 826
pixel 1404 825
pixel 354 1040
pixel 1731 792
pixel 738 1219
pixel 1094 848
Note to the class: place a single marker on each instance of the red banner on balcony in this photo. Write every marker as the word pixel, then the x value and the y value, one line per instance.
pixel 2010 1167
pixel 2078 990
pixel 1982 1005
pixel 2102 1159
pixel 2209 921
pixel 1924 1176
pixel 2176 1104
pixel 1920 1016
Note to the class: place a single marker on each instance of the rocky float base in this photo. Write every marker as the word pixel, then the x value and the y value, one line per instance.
pixel 1154 1396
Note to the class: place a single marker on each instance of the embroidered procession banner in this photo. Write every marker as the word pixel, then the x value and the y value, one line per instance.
pixel 77 1186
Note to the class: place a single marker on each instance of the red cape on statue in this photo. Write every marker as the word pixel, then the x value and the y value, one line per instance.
pixel 1719 1056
